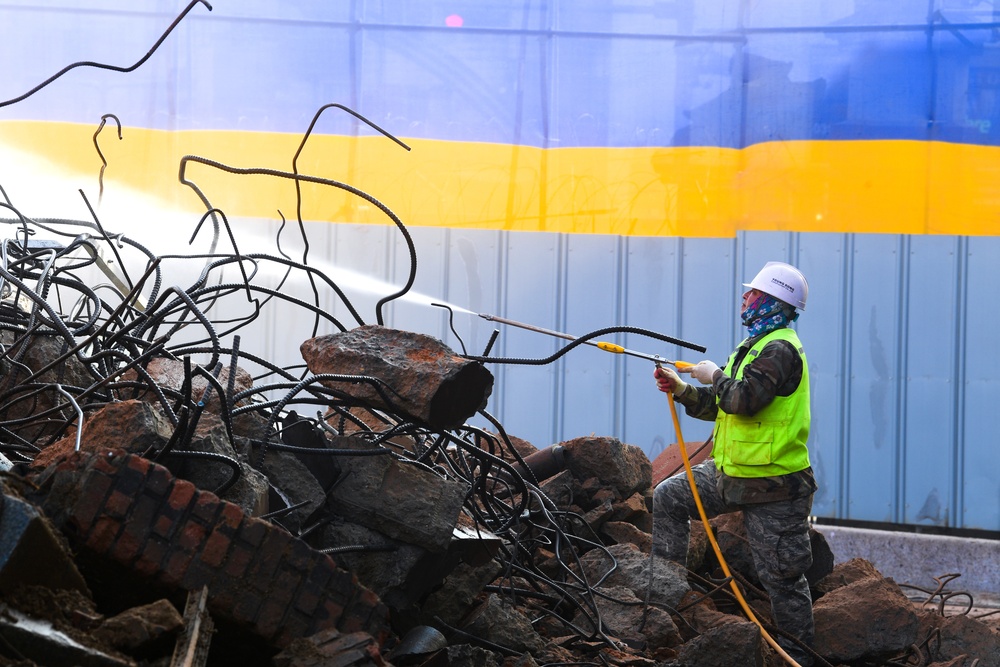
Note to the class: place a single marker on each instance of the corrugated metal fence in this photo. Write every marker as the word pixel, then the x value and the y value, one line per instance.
pixel 899 332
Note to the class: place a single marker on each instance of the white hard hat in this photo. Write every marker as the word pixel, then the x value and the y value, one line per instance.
pixel 782 281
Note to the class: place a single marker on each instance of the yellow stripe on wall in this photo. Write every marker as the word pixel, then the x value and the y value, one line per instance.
pixel 899 187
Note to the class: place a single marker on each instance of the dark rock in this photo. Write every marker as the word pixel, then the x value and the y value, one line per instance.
pixel 846 573
pixel 402 500
pixel 625 565
pixel 624 468
pixel 501 624
pixel 866 619
pixel 136 630
pixel 625 616
pixel 737 644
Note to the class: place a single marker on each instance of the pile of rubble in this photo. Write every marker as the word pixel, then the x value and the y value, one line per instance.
pixel 377 536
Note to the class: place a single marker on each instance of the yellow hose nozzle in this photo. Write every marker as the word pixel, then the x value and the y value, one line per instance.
pixel 618 349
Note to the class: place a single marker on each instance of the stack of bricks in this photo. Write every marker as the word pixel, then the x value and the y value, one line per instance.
pixel 134 512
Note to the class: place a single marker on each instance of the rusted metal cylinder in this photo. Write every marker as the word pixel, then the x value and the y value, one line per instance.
pixel 544 463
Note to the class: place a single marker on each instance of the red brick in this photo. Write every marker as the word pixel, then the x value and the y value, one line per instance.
pixel 215 548
pixel 319 575
pixel 307 600
pixel 231 516
pixel 145 509
pixel 330 612
pixel 198 574
pixel 206 506
pixel 128 546
pixel 269 618
pixel 268 556
pixel 158 480
pixel 246 606
pixel 300 555
pixel 129 480
pixel 285 586
pixel 238 560
pixel 164 526
pixel 117 504
pixel 253 531
pixel 175 567
pixel 104 461
pixel 89 506
pixel 191 535
pixel 181 494
pixel 139 464
pixel 150 560
pixel 102 537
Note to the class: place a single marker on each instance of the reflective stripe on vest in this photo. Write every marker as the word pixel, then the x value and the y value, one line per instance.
pixel 773 441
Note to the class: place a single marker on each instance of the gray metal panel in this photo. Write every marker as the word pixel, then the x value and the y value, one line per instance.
pixel 977 399
pixel 651 280
pixel 413 311
pixel 821 257
pixel 929 424
pixel 874 314
pixel 474 283
pixel 359 253
pixel 527 402
pixel 590 392
pixel 684 289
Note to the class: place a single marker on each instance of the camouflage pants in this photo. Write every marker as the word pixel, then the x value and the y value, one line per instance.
pixel 778 533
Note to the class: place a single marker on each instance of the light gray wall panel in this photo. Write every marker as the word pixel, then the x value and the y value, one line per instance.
pixel 589 393
pixel 930 448
pixel 414 311
pixel 531 294
pixel 822 328
pixel 976 400
pixel 473 283
pixel 874 338
pixel 651 278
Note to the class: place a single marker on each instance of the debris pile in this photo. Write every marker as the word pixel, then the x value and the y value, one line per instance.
pixel 255 536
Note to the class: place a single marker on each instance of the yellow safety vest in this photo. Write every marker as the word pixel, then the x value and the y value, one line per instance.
pixel 773 441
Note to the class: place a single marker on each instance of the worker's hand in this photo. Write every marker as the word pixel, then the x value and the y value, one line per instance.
pixel 703 371
pixel 668 381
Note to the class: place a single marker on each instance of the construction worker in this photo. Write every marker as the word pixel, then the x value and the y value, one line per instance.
pixel 760 462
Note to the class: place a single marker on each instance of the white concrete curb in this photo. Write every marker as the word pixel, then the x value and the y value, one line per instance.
pixel 916 559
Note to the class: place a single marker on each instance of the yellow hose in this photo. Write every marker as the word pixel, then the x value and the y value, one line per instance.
pixel 711 536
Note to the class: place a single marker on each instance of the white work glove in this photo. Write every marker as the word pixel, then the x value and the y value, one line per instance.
pixel 703 371
pixel 668 381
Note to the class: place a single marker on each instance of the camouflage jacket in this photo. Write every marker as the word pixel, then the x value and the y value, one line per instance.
pixel 776 371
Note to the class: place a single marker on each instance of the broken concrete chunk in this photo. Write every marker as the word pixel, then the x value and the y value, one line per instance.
pixel 964 635
pixel 130 425
pixel 38 640
pixel 846 573
pixel 169 373
pixel 868 618
pixel 402 500
pixel 623 467
pixel 629 567
pixel 623 614
pixel 500 623
pixel 32 551
pixel 728 645
pixel 423 377
pixel 136 629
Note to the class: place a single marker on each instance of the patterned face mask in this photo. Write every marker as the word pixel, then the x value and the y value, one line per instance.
pixel 767 314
